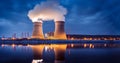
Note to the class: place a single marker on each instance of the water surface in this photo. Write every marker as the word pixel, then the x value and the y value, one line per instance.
pixel 61 53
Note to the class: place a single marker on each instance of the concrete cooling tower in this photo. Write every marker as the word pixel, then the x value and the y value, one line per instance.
pixel 59 30
pixel 37 30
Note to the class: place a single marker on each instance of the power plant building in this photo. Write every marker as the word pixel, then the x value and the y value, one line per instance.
pixel 59 32
pixel 37 31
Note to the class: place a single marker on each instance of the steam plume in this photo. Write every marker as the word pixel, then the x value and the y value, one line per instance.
pixel 48 10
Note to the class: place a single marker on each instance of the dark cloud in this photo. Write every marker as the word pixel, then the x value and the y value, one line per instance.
pixel 95 16
pixel 84 16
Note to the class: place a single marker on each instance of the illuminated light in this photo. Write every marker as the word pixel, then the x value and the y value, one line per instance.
pixel 85 45
pixel 2 45
pixel 51 37
pixel 93 46
pixel 13 38
pixel 72 38
pixel 13 45
pixel 95 39
pixel 105 45
pixel 90 38
pixel 40 60
pixel 54 45
pixel 28 45
pixel 110 38
pixel 85 38
pixel 105 38
pixel 90 46
pixel 37 61
pixel 72 45
pixel 46 48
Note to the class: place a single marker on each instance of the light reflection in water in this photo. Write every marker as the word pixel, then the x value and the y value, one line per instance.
pixel 52 53
pixel 57 51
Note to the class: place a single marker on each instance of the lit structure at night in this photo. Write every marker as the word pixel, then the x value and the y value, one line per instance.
pixel 48 11
pixel 37 30
pixel 59 30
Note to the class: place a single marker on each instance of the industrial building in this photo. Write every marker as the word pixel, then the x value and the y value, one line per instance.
pixel 59 32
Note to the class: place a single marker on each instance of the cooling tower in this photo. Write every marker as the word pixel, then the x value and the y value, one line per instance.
pixel 59 30
pixel 37 31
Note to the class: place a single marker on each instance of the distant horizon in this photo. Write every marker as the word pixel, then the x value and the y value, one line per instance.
pixel 18 36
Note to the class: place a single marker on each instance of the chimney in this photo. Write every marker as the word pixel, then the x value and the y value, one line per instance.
pixel 37 31
pixel 59 30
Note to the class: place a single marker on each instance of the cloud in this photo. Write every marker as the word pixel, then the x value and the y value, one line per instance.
pixel 84 16
pixel 49 10
pixel 99 16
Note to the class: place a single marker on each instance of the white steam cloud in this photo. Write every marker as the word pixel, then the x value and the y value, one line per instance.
pixel 49 10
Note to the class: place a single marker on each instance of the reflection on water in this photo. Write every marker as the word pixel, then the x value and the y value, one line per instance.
pixel 60 53
pixel 49 53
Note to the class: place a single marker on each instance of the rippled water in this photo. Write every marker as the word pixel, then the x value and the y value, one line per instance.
pixel 60 53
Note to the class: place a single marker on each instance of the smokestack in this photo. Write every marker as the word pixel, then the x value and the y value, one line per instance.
pixel 37 30
pixel 59 30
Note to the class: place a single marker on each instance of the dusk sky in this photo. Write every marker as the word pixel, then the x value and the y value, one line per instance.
pixel 90 17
